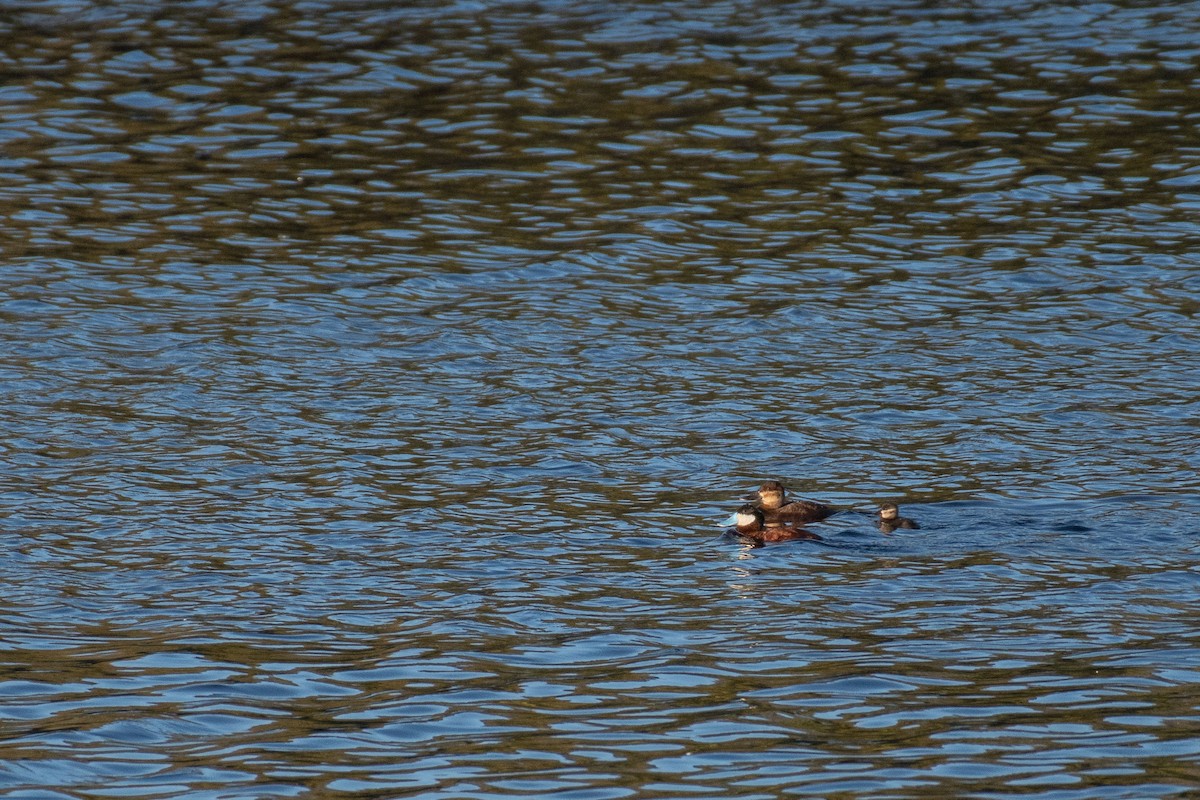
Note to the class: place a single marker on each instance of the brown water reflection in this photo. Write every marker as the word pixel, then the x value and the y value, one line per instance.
pixel 192 134
pixel 375 377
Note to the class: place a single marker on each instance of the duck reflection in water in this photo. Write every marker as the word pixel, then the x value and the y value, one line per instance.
pixel 749 522
pixel 890 519
pixel 772 499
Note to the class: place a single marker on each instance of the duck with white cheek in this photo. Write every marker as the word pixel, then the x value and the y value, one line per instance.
pixel 750 523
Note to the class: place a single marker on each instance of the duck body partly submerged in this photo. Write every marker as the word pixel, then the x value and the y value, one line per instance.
pixel 750 522
pixel 776 508
pixel 890 519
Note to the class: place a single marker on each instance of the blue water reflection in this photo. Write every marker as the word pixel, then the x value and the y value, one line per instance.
pixel 377 378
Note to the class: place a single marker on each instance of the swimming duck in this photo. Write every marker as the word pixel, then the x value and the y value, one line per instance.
pixel 773 501
pixel 890 519
pixel 749 521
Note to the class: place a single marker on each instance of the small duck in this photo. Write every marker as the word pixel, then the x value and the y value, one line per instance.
pixel 890 519
pixel 750 522
pixel 774 503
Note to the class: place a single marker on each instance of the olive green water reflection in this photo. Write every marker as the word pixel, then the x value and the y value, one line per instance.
pixel 375 378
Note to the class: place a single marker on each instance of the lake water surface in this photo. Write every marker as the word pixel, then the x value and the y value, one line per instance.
pixel 376 377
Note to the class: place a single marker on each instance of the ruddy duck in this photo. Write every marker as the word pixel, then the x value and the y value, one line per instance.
pixel 890 519
pixel 773 501
pixel 749 521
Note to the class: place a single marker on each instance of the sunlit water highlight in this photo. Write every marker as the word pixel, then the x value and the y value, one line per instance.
pixel 375 380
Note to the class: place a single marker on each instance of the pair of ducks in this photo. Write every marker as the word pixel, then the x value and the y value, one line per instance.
pixel 774 518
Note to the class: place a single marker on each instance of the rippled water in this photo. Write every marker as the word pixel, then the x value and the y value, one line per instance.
pixel 376 378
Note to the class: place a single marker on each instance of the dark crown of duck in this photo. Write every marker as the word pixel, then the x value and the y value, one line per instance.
pixel 772 494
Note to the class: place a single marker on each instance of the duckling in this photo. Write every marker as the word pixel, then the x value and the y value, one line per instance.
pixel 890 519
pixel 749 521
pixel 775 505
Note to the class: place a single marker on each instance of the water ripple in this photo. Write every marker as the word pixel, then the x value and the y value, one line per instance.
pixel 377 379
